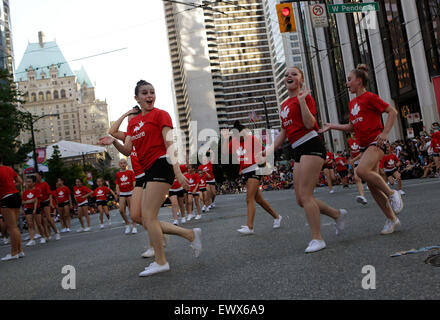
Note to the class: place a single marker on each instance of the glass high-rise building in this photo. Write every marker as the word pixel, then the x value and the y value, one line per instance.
pixel 6 52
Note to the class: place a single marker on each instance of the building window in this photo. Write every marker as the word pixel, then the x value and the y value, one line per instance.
pixel 48 95
pixel 429 18
pixel 33 97
pixel 63 93
pixel 55 94
pixel 40 96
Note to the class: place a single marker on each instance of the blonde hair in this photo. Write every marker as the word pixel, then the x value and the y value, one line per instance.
pixel 361 72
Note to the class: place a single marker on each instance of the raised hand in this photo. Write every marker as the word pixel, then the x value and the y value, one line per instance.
pixel 107 140
pixel 303 94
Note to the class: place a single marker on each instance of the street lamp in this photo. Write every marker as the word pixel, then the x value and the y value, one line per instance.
pixel 32 121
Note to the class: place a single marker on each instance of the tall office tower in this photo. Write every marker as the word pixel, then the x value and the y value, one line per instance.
pixel 221 64
pixel 6 52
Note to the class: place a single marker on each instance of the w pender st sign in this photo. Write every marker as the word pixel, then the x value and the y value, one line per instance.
pixel 353 7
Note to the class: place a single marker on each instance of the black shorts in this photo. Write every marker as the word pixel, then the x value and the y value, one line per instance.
pixel 45 203
pixel 436 154
pixel 83 204
pixel 31 211
pixel 390 173
pixel 312 147
pixel 179 193
pixel 101 203
pixel 202 189
pixel 212 183
pixel 140 181
pixel 125 195
pixel 160 171
pixel 326 167
pixel 12 202
pixel 62 205
pixel 252 174
pixel 383 148
pixel 343 174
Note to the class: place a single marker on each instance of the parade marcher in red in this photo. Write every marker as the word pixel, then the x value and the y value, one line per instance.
pixel 342 169
pixel 366 111
pixel 125 183
pixel 389 165
pixel 81 192
pixel 329 171
pixel 355 155
pixel 101 193
pixel 300 127
pixel 64 202
pixel 45 201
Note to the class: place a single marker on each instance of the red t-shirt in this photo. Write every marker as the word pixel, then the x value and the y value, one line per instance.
pixel 366 117
pixel 435 142
pixel 207 169
pixel 125 180
pixel 193 180
pixel 291 119
pixel 146 135
pixel 389 162
pixel 245 150
pixel 183 168
pixel 203 179
pixel 80 192
pixel 30 195
pixel 7 181
pixel 354 147
pixel 135 163
pixel 176 185
pixel 61 194
pixel 44 190
pixel 101 193
pixel 341 163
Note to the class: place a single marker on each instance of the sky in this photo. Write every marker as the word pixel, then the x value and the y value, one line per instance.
pixel 84 28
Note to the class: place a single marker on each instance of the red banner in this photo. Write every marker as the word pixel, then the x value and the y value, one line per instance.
pixel 436 84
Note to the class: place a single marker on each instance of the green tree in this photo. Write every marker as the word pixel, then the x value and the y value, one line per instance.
pixel 12 122
pixel 57 168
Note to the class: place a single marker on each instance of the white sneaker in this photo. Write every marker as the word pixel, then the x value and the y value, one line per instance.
pixel 101 226
pixel 207 209
pixel 27 238
pixel 402 192
pixel 340 222
pixel 43 240
pixel 5 241
pixel 183 220
pixel 154 268
pixel 210 206
pixel 109 222
pixel 37 236
pixel 63 230
pixel 148 254
pixel 127 230
pixel 80 230
pixel 9 257
pixel 68 230
pixel 176 223
pixel 197 243
pixel 190 216
pixel 396 202
pixel 277 222
pixel 204 209
pixel 390 226
pixel 198 217
pixel 361 200
pixel 31 243
pixel 87 229
pixel 213 205
pixel 134 230
pixel 21 254
pixel 245 230
pixel 332 191
pixel 315 245
pixel 57 236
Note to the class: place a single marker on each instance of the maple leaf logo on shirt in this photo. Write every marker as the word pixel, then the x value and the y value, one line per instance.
pixel 354 146
pixel 355 110
pixel 124 178
pixel 61 193
pixel 139 126
pixel 100 192
pixel 191 181
pixel 391 162
pixel 241 151
pixel 78 192
pixel 285 112
pixel 30 195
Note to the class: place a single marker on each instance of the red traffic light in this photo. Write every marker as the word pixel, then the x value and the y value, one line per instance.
pixel 285 12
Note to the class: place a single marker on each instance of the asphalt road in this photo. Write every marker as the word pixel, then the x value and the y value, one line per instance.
pixel 269 265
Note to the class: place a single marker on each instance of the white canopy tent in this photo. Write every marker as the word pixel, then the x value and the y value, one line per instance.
pixel 73 149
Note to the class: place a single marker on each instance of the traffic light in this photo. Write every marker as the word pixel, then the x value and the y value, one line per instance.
pixel 285 17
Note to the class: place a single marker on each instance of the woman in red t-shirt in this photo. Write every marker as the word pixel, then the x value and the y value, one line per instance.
pixel 355 155
pixel 101 193
pixel 45 201
pixel 366 110
pixel 329 171
pixel 64 200
pixel 81 192
pixel 246 147
pixel 125 182
pixel 150 133
pixel 31 209
pixel 299 125
pixel 10 203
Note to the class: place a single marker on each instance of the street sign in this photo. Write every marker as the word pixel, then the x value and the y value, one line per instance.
pixel 353 7
pixel 318 13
